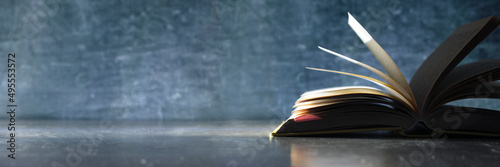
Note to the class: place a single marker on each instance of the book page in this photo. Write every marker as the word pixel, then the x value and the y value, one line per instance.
pixel 387 78
pixel 334 104
pixel 486 90
pixel 395 94
pixel 468 75
pixel 339 91
pixel 480 122
pixel 447 56
pixel 319 100
pixel 381 55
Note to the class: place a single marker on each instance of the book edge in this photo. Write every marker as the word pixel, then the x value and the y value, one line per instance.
pixel 274 133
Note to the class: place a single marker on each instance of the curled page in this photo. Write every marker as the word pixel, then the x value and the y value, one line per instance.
pixel 396 94
pixel 390 67
pixel 388 79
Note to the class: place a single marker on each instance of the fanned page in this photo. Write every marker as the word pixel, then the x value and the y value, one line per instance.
pixel 447 56
pixel 383 58
pixel 396 86
pixel 391 90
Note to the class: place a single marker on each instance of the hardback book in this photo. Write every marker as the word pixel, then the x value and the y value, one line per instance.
pixel 417 108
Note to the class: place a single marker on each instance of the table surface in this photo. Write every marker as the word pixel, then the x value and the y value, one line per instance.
pixel 228 143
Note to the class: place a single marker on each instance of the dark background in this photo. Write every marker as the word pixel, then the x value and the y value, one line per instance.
pixel 209 59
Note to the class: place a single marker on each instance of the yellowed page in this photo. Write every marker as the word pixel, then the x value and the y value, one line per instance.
pixel 390 67
pixel 395 94
pixel 387 78
pixel 323 98
pixel 338 91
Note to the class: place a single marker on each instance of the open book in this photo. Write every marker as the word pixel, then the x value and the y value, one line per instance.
pixel 417 108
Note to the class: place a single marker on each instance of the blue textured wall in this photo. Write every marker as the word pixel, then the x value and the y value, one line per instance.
pixel 219 59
